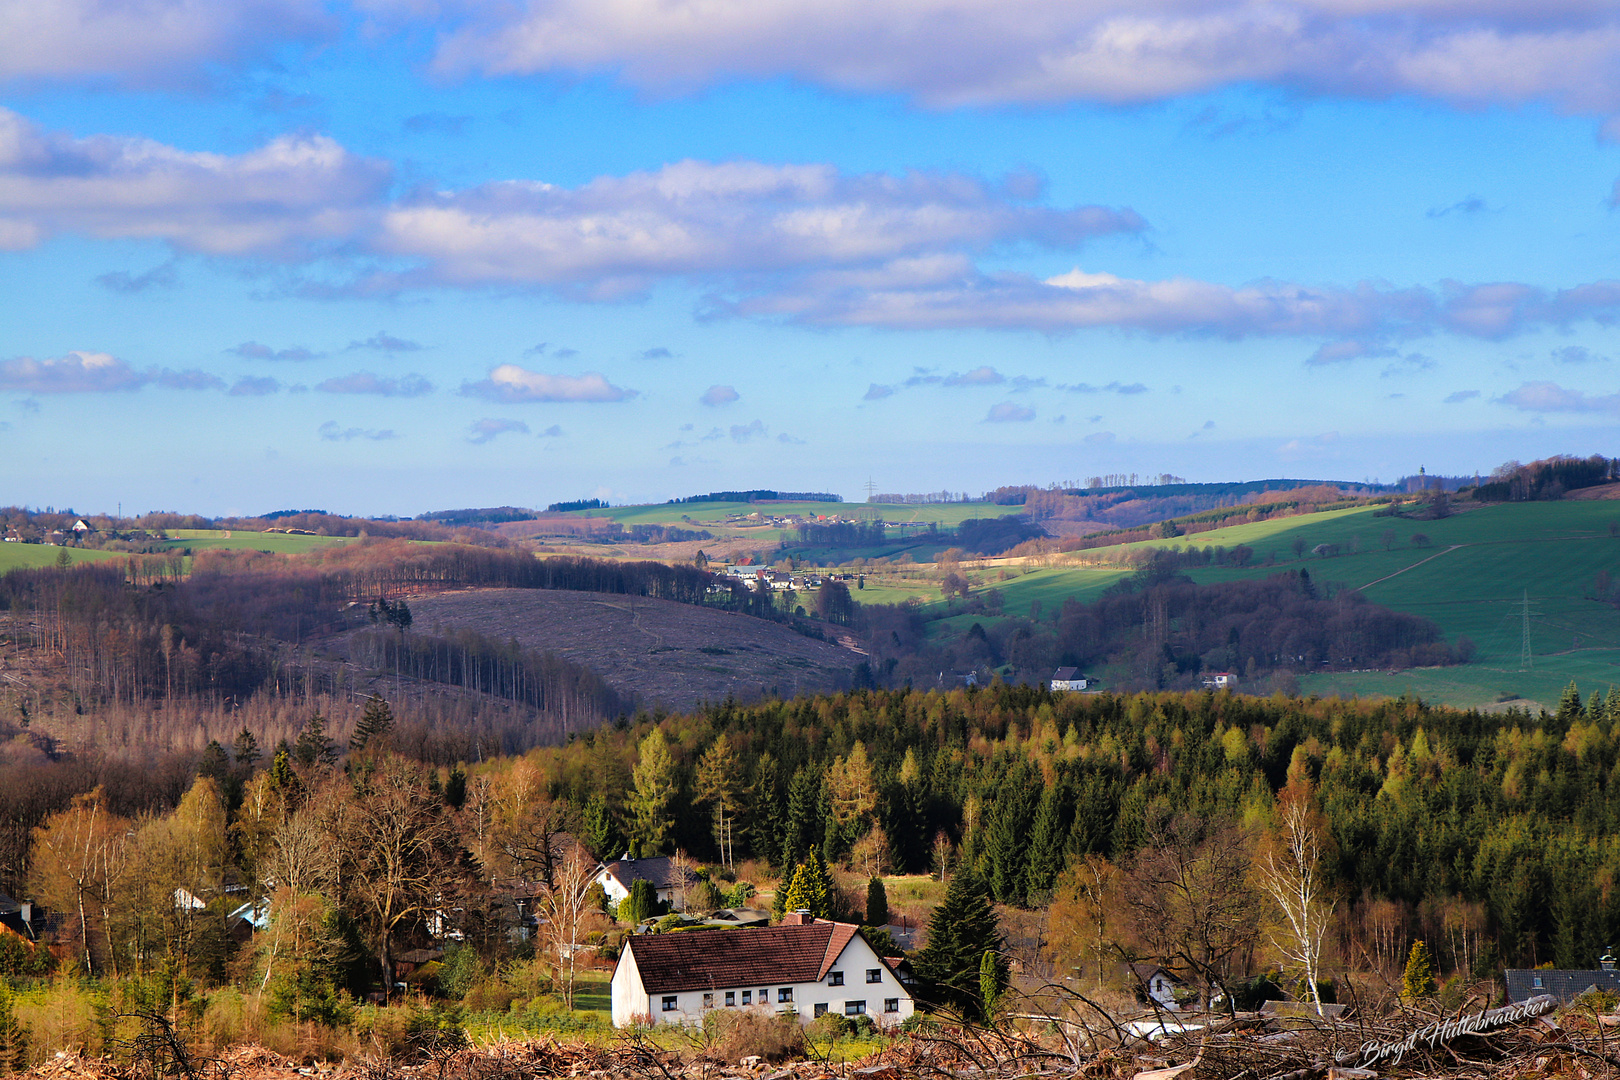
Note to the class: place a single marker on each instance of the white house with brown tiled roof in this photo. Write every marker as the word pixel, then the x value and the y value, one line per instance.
pixel 803 968
pixel 668 880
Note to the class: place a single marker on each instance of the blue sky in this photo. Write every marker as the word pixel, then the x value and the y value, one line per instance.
pixel 391 256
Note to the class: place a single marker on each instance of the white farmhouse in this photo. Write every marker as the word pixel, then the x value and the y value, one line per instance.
pixel 617 877
pixel 803 968
pixel 1068 678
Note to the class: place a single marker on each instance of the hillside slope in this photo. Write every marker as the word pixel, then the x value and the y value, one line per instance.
pixel 669 654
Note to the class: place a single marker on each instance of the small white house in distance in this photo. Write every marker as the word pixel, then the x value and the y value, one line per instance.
pixel 803 968
pixel 1219 680
pixel 1068 678
pixel 1160 984
pixel 617 877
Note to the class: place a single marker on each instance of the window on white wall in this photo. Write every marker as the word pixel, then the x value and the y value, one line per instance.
pixel 669 1004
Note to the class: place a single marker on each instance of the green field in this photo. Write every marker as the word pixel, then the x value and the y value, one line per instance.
pixel 1472 579
pixel 28 556
pixel 237 540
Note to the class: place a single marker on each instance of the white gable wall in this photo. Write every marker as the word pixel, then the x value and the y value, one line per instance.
pixel 629 997
pixel 857 959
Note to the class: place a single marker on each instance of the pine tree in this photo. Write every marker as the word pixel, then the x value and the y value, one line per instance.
pixel 14 1037
pixel 962 930
pixel 1569 705
pixel 282 777
pixel 811 889
pixel 1418 980
pixel 455 789
pixel 375 723
pixel 877 903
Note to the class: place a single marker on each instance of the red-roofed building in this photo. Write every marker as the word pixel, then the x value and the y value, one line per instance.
pixel 803 967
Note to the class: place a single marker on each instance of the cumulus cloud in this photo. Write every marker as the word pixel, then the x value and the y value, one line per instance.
pixel 719 395
pixel 89 373
pixel 364 382
pixel 511 383
pixel 1043 51
pixel 1545 397
pixel 332 431
pixel 1337 352
pixel 292 195
pixel 616 235
pixel 254 386
pixel 1457 397
pixel 1009 412
pixel 482 431
pixel 383 341
pixel 252 350
pixel 553 432
pixel 877 392
pixel 149 42
pixel 744 432
pixel 656 353
pixel 790 440
pixel 1100 438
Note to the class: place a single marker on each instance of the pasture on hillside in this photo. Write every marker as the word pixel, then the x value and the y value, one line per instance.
pixel 30 556
pixel 238 540
pixel 1471 578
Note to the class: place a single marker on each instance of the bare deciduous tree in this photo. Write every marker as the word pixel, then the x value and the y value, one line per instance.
pixel 568 914
pixel 1188 900
pixel 1289 871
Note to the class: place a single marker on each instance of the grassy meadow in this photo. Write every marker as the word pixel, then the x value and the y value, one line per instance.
pixel 30 556
pixel 1471 577
pixel 238 540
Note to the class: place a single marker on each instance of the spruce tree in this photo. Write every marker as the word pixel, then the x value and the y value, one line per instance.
pixel 1418 980
pixel 877 903
pixel 375 723
pixel 1045 859
pixel 653 792
pixel 811 889
pixel 802 831
pixel 246 750
pixel 962 930
pixel 313 747
pixel 14 1037
pixel 989 983
pixel 601 834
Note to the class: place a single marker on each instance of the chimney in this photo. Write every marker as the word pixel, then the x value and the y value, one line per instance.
pixel 1607 961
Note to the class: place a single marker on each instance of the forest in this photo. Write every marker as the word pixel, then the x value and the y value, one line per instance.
pixel 1491 837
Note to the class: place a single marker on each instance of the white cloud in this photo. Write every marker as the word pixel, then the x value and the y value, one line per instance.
pixel 951 52
pixel 252 350
pixel 1544 397
pixel 77 372
pixel 719 395
pixel 1457 397
pixel 146 42
pixel 291 193
pixel 383 341
pixel 1009 412
pixel 254 386
pixel 482 431
pixel 744 432
pixel 511 383
pixel 616 235
pixel 92 373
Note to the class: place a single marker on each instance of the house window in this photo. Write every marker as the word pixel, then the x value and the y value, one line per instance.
pixel 835 978
pixel 764 996
pixel 821 1008
pixel 785 994
pixel 669 1004
pixel 891 1004
pixel 874 975
pixel 731 998
pixel 854 1008
pixel 748 997
pixel 1538 982
pixel 708 1001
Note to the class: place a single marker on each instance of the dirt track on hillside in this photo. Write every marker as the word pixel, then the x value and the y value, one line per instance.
pixel 675 655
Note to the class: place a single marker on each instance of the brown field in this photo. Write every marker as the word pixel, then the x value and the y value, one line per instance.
pixel 675 655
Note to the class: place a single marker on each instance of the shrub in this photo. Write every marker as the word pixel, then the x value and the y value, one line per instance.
pixel 410 1032
pixel 747 1033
